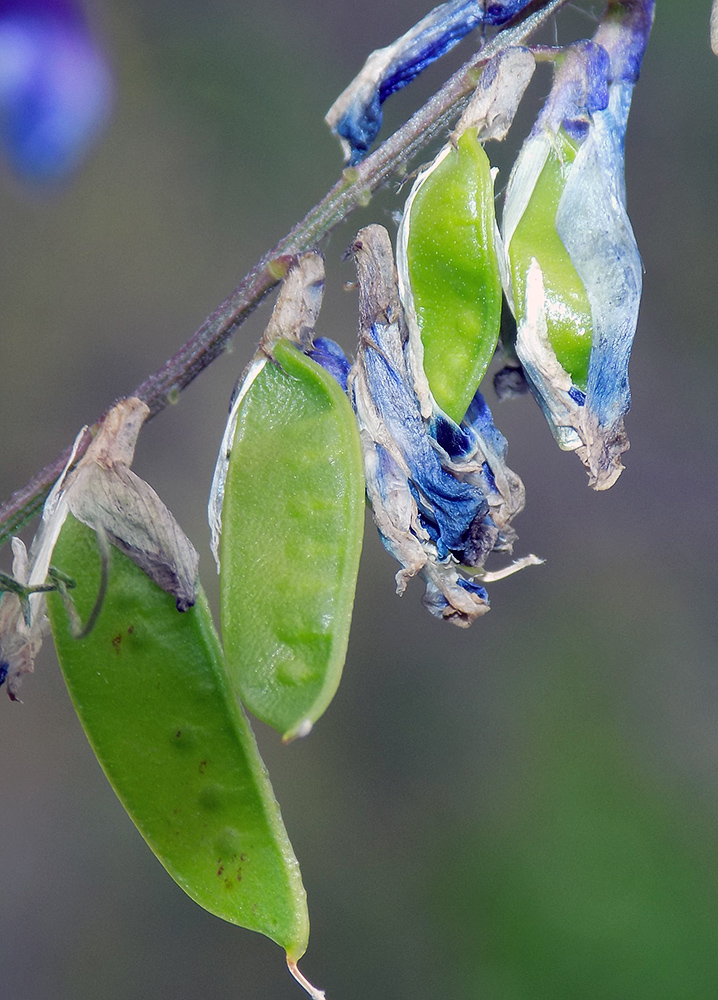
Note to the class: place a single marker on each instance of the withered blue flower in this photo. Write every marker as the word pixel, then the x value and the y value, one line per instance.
pixel 355 117
pixel 441 494
pixel 574 155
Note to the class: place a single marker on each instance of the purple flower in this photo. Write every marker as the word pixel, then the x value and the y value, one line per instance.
pixel 55 87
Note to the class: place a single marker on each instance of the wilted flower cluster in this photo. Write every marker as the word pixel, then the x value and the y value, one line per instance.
pixel 442 495
pixel 103 493
pixel 565 259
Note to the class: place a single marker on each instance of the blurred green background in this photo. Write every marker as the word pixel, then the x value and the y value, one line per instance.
pixel 522 811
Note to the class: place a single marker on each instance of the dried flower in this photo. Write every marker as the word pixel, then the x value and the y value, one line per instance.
pixel 565 215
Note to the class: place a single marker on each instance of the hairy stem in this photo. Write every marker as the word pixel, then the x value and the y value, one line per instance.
pixel 351 191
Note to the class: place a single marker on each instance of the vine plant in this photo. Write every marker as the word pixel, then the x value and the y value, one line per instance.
pixel 310 434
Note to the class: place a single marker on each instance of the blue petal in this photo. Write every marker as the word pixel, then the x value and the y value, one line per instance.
pixel 590 99
pixel 436 601
pixel 479 419
pixel 476 451
pixel 443 500
pixel 441 493
pixel 456 441
pixel 580 90
pixel 501 11
pixel 624 35
pixel 330 356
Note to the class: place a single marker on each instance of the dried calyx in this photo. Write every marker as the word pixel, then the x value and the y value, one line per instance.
pixel 103 493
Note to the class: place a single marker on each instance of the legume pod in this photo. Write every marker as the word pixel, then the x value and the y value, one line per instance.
pixel 151 690
pixel 292 526
pixel 449 277
pixel 568 311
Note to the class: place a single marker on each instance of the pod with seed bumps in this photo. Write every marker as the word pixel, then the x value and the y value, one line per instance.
pixel 151 689
pixel 287 512
pixel 447 258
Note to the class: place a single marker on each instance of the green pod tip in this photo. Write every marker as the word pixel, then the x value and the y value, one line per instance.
pixel 568 311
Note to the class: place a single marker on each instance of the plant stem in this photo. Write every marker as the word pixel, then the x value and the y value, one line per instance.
pixel 352 190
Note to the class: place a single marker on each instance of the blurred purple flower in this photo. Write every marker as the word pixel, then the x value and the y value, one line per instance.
pixel 55 87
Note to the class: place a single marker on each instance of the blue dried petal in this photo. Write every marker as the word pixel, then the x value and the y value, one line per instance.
pixel 597 233
pixel 445 503
pixel 441 493
pixel 480 420
pixel 624 35
pixel 330 356
pixel 55 87
pixel 435 601
pixel 580 91
pixel 501 11
pixel 356 114
pixel 476 452
pixel 473 587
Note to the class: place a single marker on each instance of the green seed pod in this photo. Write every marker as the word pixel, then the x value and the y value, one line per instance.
pixel 151 690
pixel 568 310
pixel 292 526
pixel 449 277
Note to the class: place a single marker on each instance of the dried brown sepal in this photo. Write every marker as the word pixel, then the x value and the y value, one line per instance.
pixel 495 101
pixel 105 494
pixel 294 316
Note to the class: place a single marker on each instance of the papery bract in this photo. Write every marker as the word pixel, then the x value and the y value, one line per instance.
pixel 21 633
